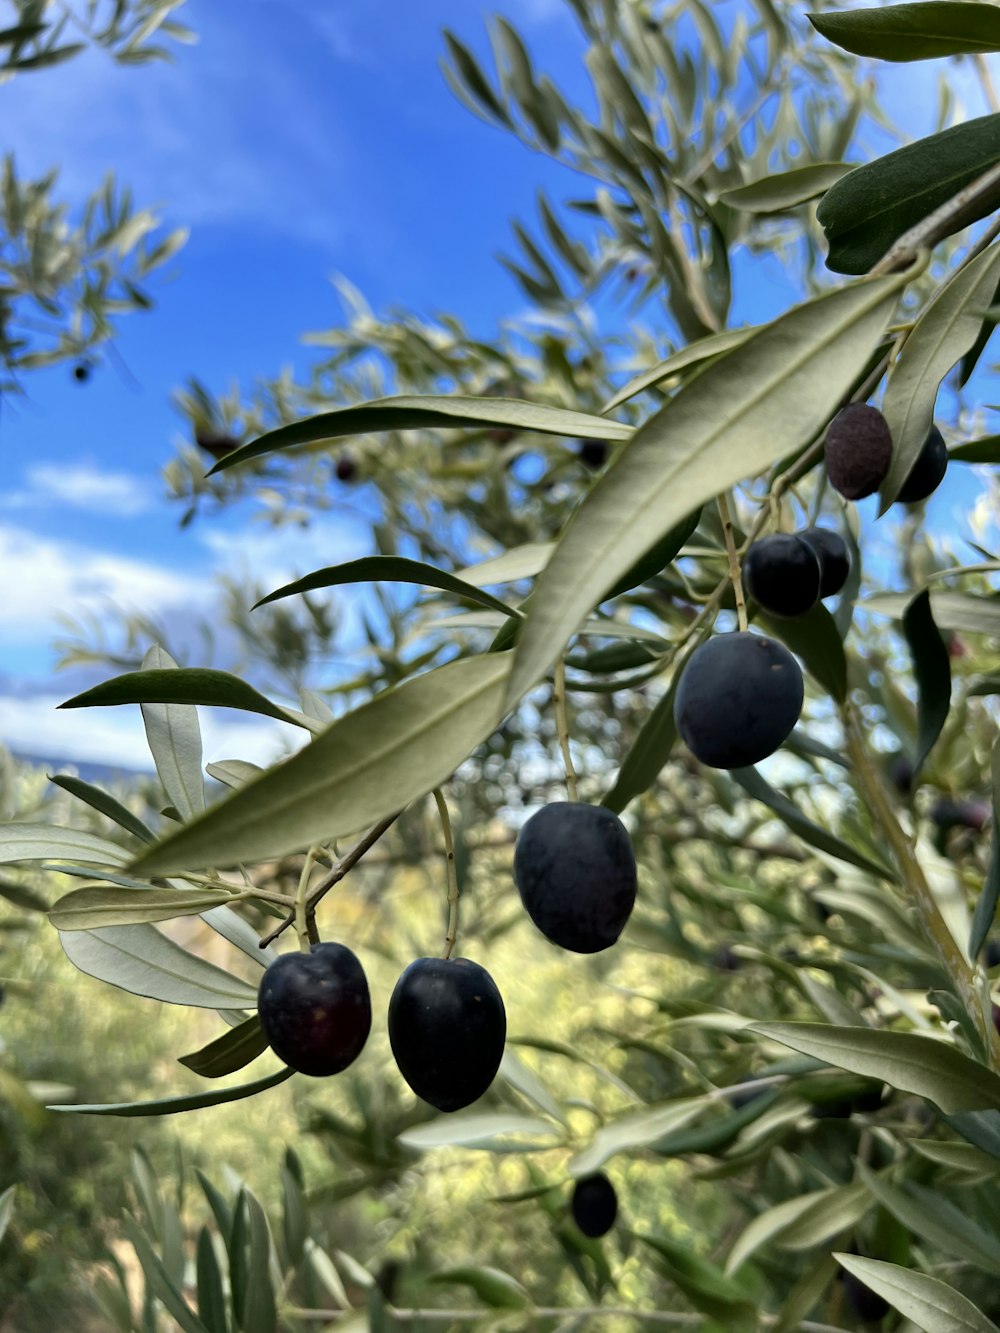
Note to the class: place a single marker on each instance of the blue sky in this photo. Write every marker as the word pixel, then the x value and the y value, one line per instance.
pixel 295 141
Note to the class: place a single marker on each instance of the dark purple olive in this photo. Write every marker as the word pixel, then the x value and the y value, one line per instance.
pixel 315 1010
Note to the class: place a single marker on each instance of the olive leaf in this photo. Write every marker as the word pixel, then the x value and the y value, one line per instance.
pixel 929 1303
pixel 923 31
pixel 932 671
pixel 785 189
pixel 174 738
pixel 871 207
pixel 758 402
pixel 945 329
pixel 414 412
pixel 363 767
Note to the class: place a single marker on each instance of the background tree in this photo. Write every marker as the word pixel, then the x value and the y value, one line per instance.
pixel 800 1005
pixel 65 276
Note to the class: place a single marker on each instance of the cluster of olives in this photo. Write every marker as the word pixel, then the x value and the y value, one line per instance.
pixel 447 1023
pixel 788 573
pixel 858 452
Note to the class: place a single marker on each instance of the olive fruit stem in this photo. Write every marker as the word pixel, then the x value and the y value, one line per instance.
pixel 345 864
pixel 915 883
pixel 449 856
pixel 305 926
pixel 735 573
pixel 562 726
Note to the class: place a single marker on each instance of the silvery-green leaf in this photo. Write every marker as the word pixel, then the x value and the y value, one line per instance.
pixel 714 345
pixel 143 961
pixel 233 772
pixel 785 189
pixel 425 412
pixel 174 738
pixel 363 767
pixel 478 1128
pixel 926 1301
pixel 181 686
pixel 520 562
pixel 921 1065
pixel 42 842
pixel 172 1105
pixel 951 610
pixel 635 1129
pixel 945 329
pixel 103 905
pixel 755 404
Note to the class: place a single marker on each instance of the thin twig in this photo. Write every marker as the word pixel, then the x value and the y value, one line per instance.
pixel 449 854
pixel 562 726
pixel 735 573
pixel 346 864
pixel 942 222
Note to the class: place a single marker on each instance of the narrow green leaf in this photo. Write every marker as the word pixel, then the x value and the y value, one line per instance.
pixel 926 1301
pixel 412 412
pixel 473 80
pixel 814 834
pixel 260 1313
pixel 921 31
pixel 786 189
pixel 105 803
pixel 945 329
pixel 478 1128
pixel 226 1054
pixel 211 1299
pixel 656 559
pixel 871 207
pixel 43 842
pixel 984 450
pixel 19 896
pixel 294 1212
pixel 649 752
pixel 363 767
pixel 233 772
pixel 520 562
pixel 171 1105
pixel 957 1156
pixel 100 905
pixel 160 1281
pixel 184 686
pixel 705 1285
pixel 986 906
pixel 932 672
pixel 921 1065
pixel 829 1207
pixel 981 1128
pixel 635 1129
pixel 757 403
pixel 391 569
pixel 951 610
pixel 141 960
pixel 6 1208
pixel 701 350
pixel 986 330
pixel 815 638
pixel 174 738
pixel 498 1290
pixel 936 1220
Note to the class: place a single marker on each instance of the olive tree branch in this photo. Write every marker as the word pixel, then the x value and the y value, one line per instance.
pixel 345 864
pixel 562 726
pixel 449 856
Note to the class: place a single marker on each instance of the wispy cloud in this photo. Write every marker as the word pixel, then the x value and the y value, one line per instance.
pixel 82 486
pixel 46 577
pixel 116 735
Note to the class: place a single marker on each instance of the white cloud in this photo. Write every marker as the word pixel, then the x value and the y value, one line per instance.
pixel 82 486
pixel 45 578
pixel 116 736
pixel 276 555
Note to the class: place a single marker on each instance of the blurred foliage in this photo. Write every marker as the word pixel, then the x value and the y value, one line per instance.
pixel 63 282
pixel 742 1166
